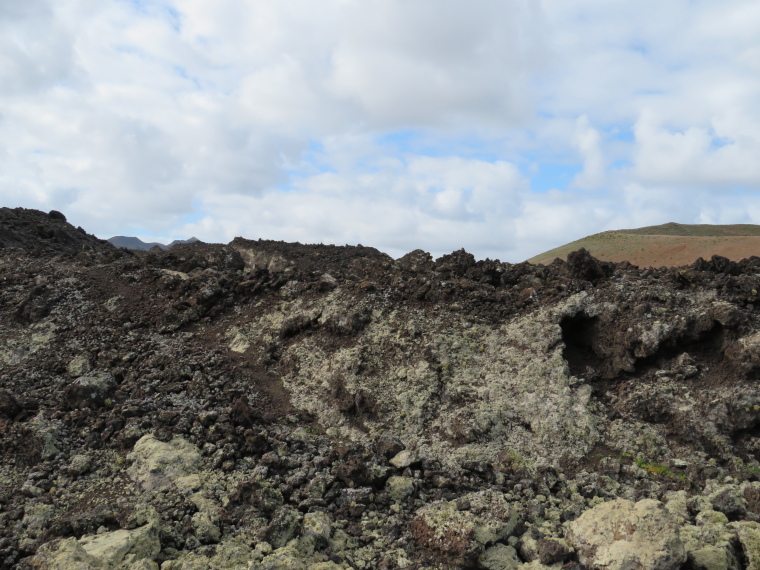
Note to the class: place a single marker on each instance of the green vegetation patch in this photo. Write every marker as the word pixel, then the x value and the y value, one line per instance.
pixel 657 469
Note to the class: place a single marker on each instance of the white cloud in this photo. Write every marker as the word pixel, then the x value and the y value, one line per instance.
pixel 35 49
pixel 696 156
pixel 447 202
pixel 588 142
pixel 428 63
pixel 395 123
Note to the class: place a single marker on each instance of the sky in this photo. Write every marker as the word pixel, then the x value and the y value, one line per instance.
pixel 505 127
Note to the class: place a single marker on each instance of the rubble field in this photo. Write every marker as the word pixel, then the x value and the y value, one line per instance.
pixel 271 405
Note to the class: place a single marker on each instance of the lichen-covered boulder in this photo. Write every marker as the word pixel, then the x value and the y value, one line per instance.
pixel 123 546
pixel 499 557
pixel 749 537
pixel 399 488
pixel 79 365
pixel 288 558
pixel 80 464
pixel 712 558
pixel 729 501
pixel 65 555
pixel 206 527
pixel 463 529
pixel 91 390
pixel 283 527
pixel 117 549
pixel 229 555
pixel 620 534
pixel 38 515
pixel 47 432
pixel 157 464
pixel 403 459
pixel 316 529
pixel 710 543
pixel 284 559
pixel 677 506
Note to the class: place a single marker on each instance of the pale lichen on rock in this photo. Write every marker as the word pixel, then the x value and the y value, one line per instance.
pixel 273 405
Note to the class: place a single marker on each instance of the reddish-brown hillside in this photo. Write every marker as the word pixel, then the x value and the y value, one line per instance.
pixel 665 245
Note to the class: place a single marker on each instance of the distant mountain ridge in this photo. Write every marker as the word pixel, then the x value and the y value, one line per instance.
pixel 134 243
pixel 670 244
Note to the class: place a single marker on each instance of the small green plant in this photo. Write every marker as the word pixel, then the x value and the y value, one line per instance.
pixel 654 469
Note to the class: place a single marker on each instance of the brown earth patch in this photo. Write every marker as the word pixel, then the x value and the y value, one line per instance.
pixel 657 250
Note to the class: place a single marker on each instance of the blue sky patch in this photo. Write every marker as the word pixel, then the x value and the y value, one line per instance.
pixel 551 176
pixel 420 143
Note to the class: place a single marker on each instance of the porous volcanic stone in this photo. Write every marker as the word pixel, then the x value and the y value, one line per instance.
pixel 156 464
pixel 463 534
pixel 620 534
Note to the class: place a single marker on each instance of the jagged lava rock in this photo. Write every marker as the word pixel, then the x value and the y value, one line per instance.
pixel 314 406
pixel 465 533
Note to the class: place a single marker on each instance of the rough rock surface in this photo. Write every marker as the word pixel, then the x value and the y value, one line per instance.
pixel 620 534
pixel 272 405
pixel 463 529
pixel 156 465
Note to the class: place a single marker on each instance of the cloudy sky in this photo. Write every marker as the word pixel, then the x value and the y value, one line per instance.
pixel 506 127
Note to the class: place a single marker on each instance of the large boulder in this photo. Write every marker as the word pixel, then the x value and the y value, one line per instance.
pixel 728 500
pixel 283 527
pixel 91 390
pixel 156 465
pixel 710 543
pixel 620 535
pixel 117 549
pixel 399 488
pixel 583 265
pixel 206 527
pixel 123 547
pixel 47 433
pixel 748 533
pixel 463 529
pixel 316 529
pixel 65 555
pixel 499 557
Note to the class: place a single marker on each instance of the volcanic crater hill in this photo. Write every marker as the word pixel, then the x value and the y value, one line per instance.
pixel 271 405
pixel 667 245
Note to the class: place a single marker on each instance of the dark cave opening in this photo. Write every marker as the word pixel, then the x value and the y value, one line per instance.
pixel 579 333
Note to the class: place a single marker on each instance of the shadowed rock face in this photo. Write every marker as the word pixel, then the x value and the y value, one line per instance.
pixel 287 405
pixel 46 234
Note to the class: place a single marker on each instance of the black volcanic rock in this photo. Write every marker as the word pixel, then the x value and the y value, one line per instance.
pixel 584 266
pixel 40 233
pixel 270 404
